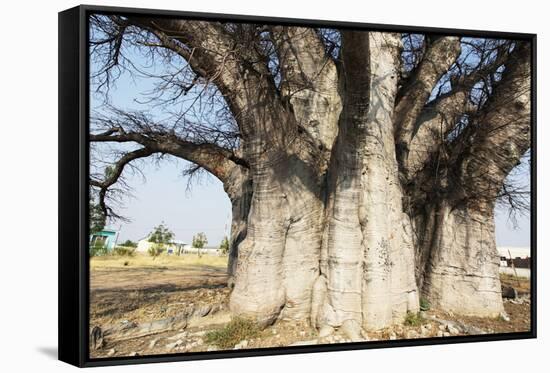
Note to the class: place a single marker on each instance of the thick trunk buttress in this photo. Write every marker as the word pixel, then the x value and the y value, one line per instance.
pixel 279 258
pixel 368 257
pixel 238 187
pixel 461 270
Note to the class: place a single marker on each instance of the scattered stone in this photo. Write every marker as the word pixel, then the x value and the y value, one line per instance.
pixel 153 343
pixel 133 353
pixel 242 344
pixel 211 348
pixel 130 329
pixel 305 343
pixel 199 342
pixel 215 308
pixel 425 330
pixel 452 329
pixel 203 310
pixel 412 334
pixel 446 334
pixel 504 316
pixel 393 336
pixel 472 330
pixel 177 336
pixel 325 331
pixel 439 333
pixel 302 333
pixel 460 326
pixel 509 292
pixel 111 352
pixel 274 331
pixel 177 343
pixel 127 325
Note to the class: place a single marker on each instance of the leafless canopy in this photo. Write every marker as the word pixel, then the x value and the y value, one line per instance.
pixel 455 128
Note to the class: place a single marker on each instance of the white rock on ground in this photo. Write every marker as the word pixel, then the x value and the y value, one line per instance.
pixel 241 344
pixel 326 331
pixel 304 343
pixel 177 336
pixel 453 330
pixel 174 345
pixel 504 316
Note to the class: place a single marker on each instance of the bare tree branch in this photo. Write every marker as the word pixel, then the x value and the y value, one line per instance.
pixel 441 53
pixel 211 157
pixel 309 81
pixel 112 176
pixel 499 135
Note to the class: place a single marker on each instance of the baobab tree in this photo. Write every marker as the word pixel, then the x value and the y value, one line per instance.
pixel 363 167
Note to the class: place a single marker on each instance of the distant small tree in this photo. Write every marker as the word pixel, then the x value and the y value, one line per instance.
pixel 200 240
pixel 161 236
pixel 155 250
pixel 97 218
pixel 129 243
pixel 224 246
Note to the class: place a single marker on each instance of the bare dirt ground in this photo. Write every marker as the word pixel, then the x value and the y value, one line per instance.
pixel 146 306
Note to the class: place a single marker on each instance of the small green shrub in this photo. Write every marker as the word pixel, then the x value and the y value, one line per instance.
pixel 124 251
pixel 413 319
pixel 129 243
pixel 156 250
pixel 424 304
pixel 98 249
pixel 224 246
pixel 199 240
pixel 231 334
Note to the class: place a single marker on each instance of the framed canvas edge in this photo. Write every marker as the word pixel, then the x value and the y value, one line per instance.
pixel 74 106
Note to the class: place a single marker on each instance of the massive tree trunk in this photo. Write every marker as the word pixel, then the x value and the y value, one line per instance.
pixel 330 241
pixel 332 233
pixel 460 268
pixel 354 192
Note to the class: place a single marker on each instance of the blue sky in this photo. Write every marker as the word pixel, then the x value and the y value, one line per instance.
pixel 164 196
pixel 161 193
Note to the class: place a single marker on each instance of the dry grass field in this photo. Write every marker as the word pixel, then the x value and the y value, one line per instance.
pixel 174 304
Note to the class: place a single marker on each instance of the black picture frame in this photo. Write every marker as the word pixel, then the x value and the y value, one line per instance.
pixel 73 189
